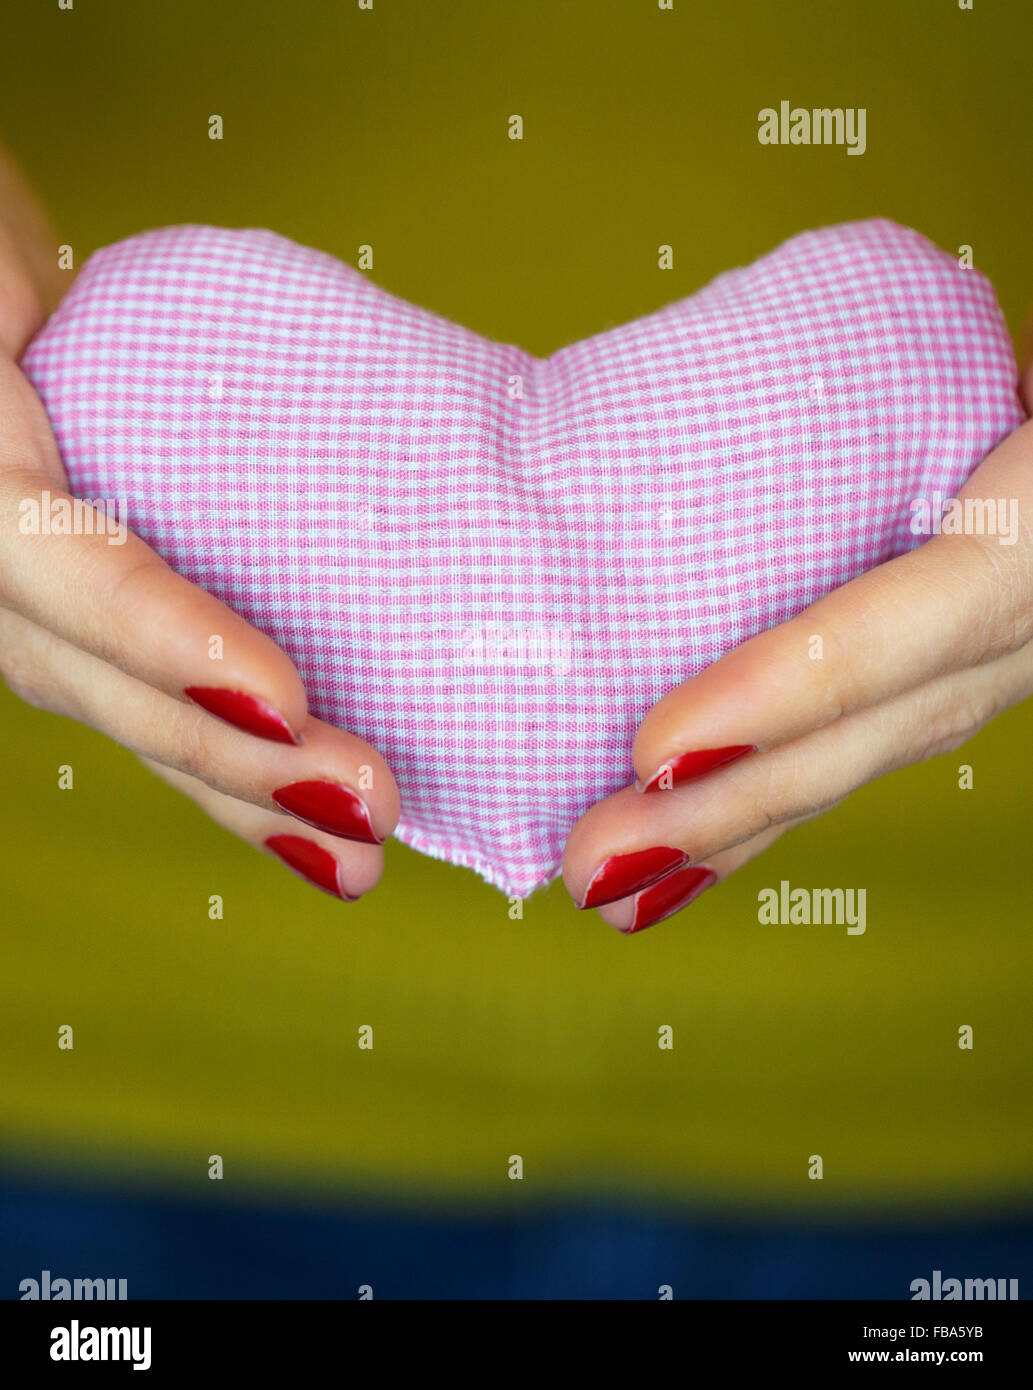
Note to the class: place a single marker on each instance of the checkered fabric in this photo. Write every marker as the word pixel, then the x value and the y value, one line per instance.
pixel 489 565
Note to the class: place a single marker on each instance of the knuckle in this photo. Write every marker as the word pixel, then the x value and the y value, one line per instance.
pixel 770 796
pixel 1002 578
pixel 124 585
pixel 788 787
pixel 193 752
pixel 950 728
pixel 831 691
pixel 835 684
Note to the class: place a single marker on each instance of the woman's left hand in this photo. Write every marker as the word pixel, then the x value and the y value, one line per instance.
pixel 913 658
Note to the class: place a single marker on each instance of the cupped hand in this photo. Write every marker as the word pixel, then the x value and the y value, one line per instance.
pixel 99 628
pixel 903 663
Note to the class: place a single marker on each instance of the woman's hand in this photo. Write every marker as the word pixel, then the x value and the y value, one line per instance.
pixel 110 635
pixel 903 663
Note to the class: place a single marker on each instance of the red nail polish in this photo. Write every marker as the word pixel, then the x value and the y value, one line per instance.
pixel 669 896
pixel 624 874
pixel 243 712
pixel 686 767
pixel 329 806
pixel 311 861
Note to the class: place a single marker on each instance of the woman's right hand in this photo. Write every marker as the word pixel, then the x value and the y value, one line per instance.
pixel 108 634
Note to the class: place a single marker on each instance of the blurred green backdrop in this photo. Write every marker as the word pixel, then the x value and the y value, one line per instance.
pixel 537 1037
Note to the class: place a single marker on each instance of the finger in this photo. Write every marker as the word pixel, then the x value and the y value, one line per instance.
pixel 343 870
pixel 956 601
pixel 113 596
pixel 31 282
pixel 628 841
pixel 335 781
pixel 675 892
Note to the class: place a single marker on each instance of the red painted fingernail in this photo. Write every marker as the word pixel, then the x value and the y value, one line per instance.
pixel 686 767
pixel 624 874
pixel 243 712
pixel 311 861
pixel 329 806
pixel 669 896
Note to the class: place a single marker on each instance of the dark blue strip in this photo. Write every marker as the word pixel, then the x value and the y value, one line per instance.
pixel 174 1249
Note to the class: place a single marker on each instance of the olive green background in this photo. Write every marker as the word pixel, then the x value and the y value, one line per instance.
pixel 493 1036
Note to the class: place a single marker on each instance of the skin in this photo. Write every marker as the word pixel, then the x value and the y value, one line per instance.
pixel 918 655
pixel 111 636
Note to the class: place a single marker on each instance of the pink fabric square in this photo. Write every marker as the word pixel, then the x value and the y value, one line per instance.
pixel 490 565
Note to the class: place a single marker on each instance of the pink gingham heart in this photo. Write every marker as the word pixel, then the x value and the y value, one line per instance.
pixel 489 565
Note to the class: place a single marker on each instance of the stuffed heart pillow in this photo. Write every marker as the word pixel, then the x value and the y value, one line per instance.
pixel 489 565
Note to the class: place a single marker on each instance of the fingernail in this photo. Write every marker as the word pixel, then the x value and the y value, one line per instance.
pixel 311 861
pixel 669 896
pixel 624 874
pixel 329 806
pixel 243 712
pixel 686 767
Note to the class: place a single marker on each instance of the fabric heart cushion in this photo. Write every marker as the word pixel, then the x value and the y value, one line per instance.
pixel 491 565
